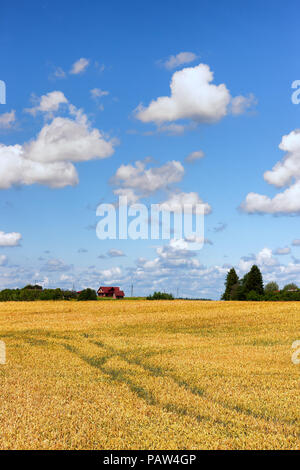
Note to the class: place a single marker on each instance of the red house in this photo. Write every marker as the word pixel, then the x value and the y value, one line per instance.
pixel 113 292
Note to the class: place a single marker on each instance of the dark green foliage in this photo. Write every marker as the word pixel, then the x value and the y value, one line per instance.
pixel 290 287
pixel 238 292
pixel 271 287
pixel 160 296
pixel 250 287
pixel 231 281
pixel 87 294
pixel 253 281
pixel 30 293
pixel 51 294
pixel 36 287
pixel 252 295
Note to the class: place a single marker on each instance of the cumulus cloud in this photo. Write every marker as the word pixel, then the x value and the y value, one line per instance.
pixel 296 242
pixel 240 104
pixel 264 259
pixel 194 156
pixel 16 169
pixel 10 238
pixel 110 273
pixel 284 173
pixel 66 139
pixel 79 66
pixel 177 201
pixel 179 59
pixel 48 159
pixel 193 96
pixel 137 181
pixel 7 119
pixel 129 193
pixel 48 103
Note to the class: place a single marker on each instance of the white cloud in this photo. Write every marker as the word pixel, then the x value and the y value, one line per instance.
pixel 48 159
pixel 136 181
pixel 192 157
pixel 240 104
pixel 264 259
pixel 179 59
pixel 115 253
pixel 193 96
pixel 10 238
pixel 170 129
pixel 131 196
pixel 176 202
pixel 79 66
pixel 283 251
pixel 98 93
pixel 296 242
pixel 59 73
pixel 48 103
pixel 110 273
pixel 16 169
pixel 56 265
pixel 66 139
pixel 284 173
pixel 7 119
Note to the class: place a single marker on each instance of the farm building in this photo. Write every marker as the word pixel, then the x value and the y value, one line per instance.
pixel 113 292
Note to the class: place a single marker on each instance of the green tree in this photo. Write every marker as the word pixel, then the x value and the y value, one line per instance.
pixel 237 292
pixel 254 281
pixel 290 286
pixel 160 296
pixel 231 280
pixel 87 294
pixel 252 295
pixel 271 287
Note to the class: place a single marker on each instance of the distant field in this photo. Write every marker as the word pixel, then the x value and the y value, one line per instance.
pixel 149 375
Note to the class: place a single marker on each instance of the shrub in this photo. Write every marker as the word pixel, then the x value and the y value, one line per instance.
pixel 271 287
pixel 290 287
pixel 87 294
pixel 252 295
pixel 160 296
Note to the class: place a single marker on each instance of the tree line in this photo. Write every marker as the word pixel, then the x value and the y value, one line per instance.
pixel 251 287
pixel 36 292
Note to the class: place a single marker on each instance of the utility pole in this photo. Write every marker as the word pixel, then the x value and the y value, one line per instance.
pixel 177 293
pixel 131 290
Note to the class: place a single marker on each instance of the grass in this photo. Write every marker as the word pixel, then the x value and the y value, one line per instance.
pixel 149 375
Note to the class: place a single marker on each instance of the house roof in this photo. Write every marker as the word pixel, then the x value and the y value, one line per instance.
pixel 109 289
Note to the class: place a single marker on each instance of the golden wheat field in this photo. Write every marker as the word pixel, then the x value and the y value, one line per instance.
pixel 149 375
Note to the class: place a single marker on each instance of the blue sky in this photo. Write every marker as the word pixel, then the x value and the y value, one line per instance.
pixel 92 69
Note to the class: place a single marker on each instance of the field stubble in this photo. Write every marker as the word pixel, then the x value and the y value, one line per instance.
pixel 149 375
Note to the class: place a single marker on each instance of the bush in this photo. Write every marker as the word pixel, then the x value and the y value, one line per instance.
pixel 87 294
pixel 160 296
pixel 290 287
pixel 252 295
pixel 271 287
